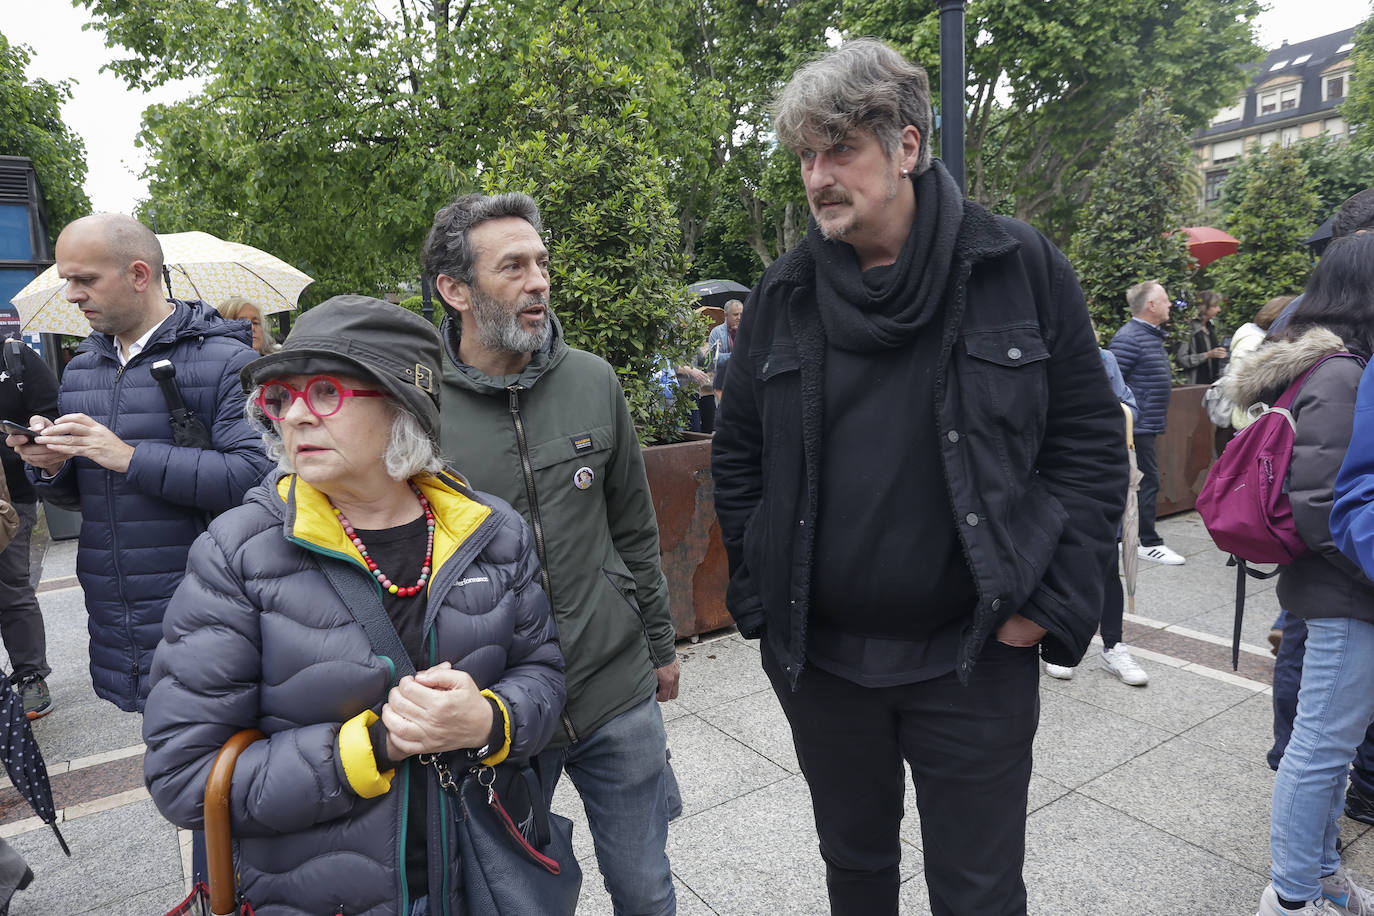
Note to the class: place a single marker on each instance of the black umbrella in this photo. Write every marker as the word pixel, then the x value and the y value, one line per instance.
pixel 1318 240
pixel 187 429
pixel 718 292
pixel 24 762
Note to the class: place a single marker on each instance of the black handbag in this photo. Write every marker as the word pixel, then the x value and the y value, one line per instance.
pixel 516 855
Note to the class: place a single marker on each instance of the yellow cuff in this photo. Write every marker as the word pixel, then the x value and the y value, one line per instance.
pixel 501 752
pixel 359 761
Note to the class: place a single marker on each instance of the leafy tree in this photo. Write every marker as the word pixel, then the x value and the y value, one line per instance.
pixel 31 125
pixel 1275 209
pixel 1047 81
pixel 1337 170
pixel 1358 107
pixel 1127 229
pixel 579 141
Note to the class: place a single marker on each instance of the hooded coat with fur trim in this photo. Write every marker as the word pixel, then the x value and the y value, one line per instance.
pixel 1323 583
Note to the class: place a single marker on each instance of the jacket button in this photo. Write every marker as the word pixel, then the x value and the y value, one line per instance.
pixel 996 603
pixel 802 523
pixel 1014 353
pixel 972 519
pixel 952 435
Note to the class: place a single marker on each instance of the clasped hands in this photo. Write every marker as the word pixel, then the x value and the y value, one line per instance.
pixel 74 435
pixel 439 709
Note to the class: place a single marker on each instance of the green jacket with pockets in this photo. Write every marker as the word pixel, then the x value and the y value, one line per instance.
pixel 556 441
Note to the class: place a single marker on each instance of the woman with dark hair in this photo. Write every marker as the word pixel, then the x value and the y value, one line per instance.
pixel 1199 355
pixel 1336 698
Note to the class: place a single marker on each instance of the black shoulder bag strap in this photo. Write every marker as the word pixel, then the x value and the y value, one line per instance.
pixel 14 362
pixel 363 602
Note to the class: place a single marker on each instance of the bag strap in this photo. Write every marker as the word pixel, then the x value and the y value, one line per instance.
pixel 1242 570
pixel 363 602
pixel 14 361
pixel 1286 400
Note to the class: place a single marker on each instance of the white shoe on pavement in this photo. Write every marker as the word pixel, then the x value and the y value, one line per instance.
pixel 1118 661
pixel 1160 554
pixel 1270 906
pixel 1348 897
pixel 1063 672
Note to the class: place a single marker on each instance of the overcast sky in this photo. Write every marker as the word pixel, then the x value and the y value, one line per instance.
pixel 107 115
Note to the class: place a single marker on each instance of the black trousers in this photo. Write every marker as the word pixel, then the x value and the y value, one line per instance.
pixel 21 621
pixel 1113 605
pixel 969 749
pixel 1149 487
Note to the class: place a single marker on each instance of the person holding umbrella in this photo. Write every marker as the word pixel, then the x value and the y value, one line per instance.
pixel 239 308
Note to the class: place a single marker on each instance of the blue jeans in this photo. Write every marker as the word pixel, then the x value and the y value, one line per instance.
pixel 1335 707
pixel 619 772
pixel 1287 678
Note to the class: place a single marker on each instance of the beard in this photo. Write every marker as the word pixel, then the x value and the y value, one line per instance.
pixel 837 233
pixel 499 326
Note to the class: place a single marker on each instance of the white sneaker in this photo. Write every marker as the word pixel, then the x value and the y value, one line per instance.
pixel 1118 661
pixel 1348 897
pixel 1160 554
pixel 1270 906
pixel 1063 672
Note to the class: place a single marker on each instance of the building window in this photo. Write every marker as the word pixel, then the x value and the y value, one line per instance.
pixel 1234 113
pixel 1268 139
pixel 1214 180
pixel 1278 65
pixel 1334 127
pixel 1288 136
pixel 1226 150
pixel 1345 48
pixel 1269 103
pixel 1333 87
pixel 1288 97
pixel 1301 60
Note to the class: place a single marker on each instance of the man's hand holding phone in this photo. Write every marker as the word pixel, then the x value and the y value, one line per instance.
pixel 40 456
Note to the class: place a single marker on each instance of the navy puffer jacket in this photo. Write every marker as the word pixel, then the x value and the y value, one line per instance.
pixel 137 527
pixel 1144 363
pixel 257 637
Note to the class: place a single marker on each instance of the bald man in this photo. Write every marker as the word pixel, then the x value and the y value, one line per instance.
pixel 143 500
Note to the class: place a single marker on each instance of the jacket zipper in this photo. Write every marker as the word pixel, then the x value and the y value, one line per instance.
pixel 535 523
pixel 114 542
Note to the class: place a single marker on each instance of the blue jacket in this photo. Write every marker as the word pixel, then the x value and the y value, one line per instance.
pixel 1139 351
pixel 129 568
pixel 1119 387
pixel 1352 513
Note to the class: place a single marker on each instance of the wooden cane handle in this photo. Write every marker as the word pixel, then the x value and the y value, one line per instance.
pixel 219 847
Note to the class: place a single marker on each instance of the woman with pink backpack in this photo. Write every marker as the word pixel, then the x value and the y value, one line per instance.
pixel 1336 699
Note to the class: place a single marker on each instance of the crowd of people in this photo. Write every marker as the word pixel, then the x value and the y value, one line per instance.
pixel 403 553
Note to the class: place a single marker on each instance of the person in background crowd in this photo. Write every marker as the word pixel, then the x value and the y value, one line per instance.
pixel 27 388
pixel 338 811
pixel 1247 339
pixel 1139 350
pixel 1198 354
pixel 902 603
pixel 1115 658
pixel 239 308
pixel 546 427
pixel 1336 699
pixel 722 342
pixel 143 499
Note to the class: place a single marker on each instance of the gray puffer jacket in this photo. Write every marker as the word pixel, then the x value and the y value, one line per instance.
pixel 256 637
pixel 1323 583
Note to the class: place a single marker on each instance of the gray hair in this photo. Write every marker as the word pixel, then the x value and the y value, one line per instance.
pixel 1139 295
pixel 862 85
pixel 447 250
pixel 409 449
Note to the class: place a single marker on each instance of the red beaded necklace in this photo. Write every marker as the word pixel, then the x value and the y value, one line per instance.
pixel 403 591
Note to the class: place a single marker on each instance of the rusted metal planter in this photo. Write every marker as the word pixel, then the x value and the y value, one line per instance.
pixel 1184 451
pixel 688 535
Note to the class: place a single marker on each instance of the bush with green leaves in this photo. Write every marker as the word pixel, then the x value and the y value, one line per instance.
pixel 1138 200
pixel 578 142
pixel 1275 209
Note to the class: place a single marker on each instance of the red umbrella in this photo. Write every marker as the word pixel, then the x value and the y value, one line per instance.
pixel 1206 244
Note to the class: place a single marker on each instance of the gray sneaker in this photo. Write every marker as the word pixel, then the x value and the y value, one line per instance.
pixel 1350 899
pixel 33 690
pixel 1270 906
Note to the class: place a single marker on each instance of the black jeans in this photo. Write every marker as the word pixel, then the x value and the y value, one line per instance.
pixel 969 749
pixel 21 622
pixel 1149 487
pixel 1113 605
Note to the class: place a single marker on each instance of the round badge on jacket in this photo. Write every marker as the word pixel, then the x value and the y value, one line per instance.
pixel 583 477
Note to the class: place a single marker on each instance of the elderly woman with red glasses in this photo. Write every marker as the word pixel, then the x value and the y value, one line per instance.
pixel 340 809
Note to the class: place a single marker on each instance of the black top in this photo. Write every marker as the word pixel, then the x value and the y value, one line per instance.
pixel 890 580
pixel 400 552
pixel 38 397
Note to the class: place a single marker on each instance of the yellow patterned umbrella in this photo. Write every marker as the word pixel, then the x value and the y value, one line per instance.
pixel 200 267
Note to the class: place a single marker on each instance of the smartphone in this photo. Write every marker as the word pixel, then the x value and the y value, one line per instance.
pixel 17 429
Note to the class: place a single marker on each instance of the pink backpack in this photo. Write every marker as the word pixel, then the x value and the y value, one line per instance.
pixel 1244 501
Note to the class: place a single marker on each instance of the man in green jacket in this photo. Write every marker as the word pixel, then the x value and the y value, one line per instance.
pixel 546 427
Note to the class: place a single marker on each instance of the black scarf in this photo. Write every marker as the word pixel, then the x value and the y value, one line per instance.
pixel 883 308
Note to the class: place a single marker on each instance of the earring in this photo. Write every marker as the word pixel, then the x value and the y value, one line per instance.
pixel 906 173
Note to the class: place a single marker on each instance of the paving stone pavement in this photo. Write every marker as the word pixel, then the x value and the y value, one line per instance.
pixel 1144 801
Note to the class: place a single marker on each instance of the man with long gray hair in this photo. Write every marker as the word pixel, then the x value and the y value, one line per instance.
pixel 945 468
pixel 546 427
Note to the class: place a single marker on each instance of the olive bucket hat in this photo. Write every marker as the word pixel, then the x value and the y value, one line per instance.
pixel 367 338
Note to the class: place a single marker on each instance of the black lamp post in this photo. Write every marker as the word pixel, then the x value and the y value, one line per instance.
pixel 952 75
